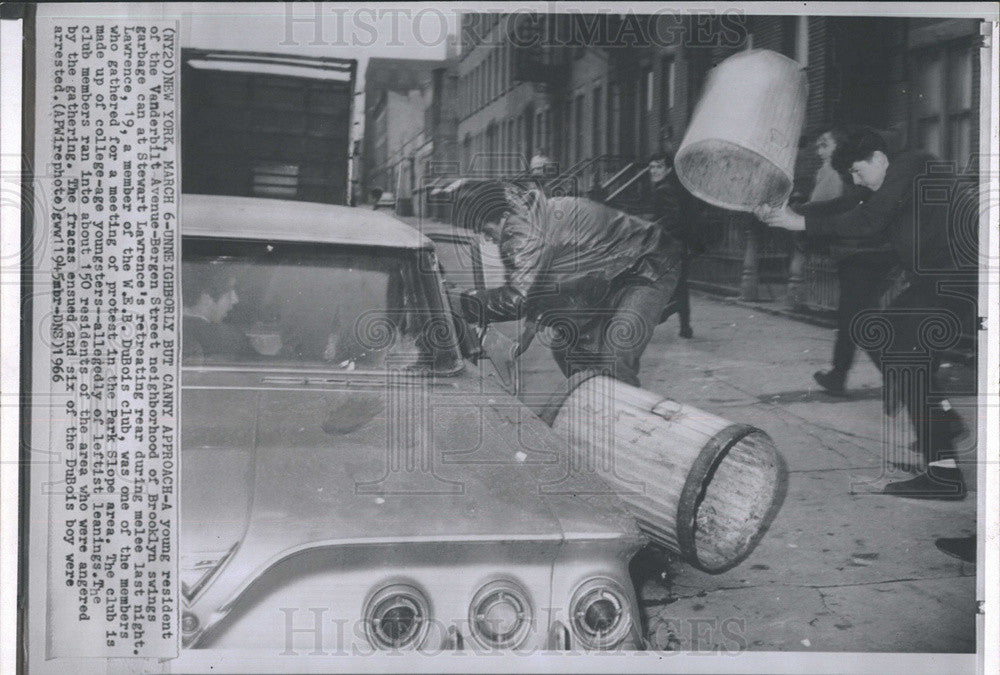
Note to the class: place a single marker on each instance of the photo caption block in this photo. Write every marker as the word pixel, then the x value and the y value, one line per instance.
pixel 107 245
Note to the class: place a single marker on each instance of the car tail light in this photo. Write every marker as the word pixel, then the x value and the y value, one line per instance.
pixel 500 615
pixel 198 568
pixel 397 617
pixel 600 614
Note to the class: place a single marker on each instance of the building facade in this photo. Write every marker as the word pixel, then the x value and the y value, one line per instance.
pixel 395 99
pixel 599 94
pixel 411 126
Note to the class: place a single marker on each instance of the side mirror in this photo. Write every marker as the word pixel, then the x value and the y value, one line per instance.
pixel 460 262
pixel 502 353
pixel 469 339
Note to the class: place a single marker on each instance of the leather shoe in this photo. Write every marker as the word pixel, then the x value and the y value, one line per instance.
pixel 831 381
pixel 963 548
pixel 935 483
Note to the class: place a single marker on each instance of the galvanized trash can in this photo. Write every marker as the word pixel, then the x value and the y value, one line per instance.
pixel 739 149
pixel 698 485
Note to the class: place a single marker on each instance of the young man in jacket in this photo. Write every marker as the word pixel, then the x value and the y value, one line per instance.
pixel 918 238
pixel 679 212
pixel 597 277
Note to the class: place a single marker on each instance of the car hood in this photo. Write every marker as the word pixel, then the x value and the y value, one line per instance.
pixel 280 464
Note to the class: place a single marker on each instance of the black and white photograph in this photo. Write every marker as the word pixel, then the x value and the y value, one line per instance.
pixel 499 337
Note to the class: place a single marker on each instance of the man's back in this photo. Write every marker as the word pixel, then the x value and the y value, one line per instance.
pixel 578 240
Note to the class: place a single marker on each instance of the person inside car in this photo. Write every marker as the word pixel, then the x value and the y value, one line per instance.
pixel 208 295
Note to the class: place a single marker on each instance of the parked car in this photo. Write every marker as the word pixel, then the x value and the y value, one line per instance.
pixel 346 464
pixel 387 200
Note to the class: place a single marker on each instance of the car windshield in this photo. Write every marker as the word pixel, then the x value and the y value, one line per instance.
pixel 313 305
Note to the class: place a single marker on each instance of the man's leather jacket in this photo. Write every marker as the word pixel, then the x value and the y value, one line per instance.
pixel 565 253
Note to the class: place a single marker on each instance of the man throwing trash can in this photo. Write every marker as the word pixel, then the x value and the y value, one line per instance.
pixel 596 278
pixel 918 237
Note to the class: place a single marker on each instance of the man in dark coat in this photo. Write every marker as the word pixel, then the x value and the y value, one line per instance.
pixel 918 238
pixel 208 296
pixel 679 212
pixel 598 278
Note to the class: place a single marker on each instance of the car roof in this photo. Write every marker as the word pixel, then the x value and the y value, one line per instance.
pixel 285 220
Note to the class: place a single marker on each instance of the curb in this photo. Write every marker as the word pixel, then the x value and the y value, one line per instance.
pixel 812 317
pixel 731 297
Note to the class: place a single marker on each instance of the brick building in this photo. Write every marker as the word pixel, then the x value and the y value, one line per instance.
pixel 395 99
pixel 410 127
pixel 598 92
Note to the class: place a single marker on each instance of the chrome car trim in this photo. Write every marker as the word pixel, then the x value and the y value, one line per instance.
pixel 406 595
pixel 517 597
pixel 591 591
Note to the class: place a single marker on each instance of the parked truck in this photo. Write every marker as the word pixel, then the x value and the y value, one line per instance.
pixel 266 125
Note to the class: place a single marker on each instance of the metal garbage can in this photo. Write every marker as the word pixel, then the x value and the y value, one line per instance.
pixel 739 149
pixel 700 486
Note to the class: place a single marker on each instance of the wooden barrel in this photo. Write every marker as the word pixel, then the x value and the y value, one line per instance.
pixel 740 146
pixel 699 485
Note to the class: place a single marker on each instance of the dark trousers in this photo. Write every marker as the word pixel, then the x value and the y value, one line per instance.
pixel 905 340
pixel 863 278
pixel 680 303
pixel 612 339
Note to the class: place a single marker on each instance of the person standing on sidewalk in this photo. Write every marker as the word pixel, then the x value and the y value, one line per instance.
pixel 598 278
pixel 676 210
pixel 890 215
pixel 864 271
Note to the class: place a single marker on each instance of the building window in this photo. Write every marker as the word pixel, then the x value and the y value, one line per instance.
pixel 511 144
pixel 641 120
pixel 801 53
pixel 491 80
pixel 497 72
pixel 649 91
pixel 480 89
pixel 943 102
pixel 579 128
pixel 669 91
pixel 483 83
pixel 595 122
pixel 614 111
pixel 508 64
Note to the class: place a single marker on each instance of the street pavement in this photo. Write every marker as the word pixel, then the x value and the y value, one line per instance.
pixel 842 567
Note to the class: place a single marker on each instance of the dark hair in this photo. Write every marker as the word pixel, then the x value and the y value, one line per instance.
pixel 859 144
pixel 205 277
pixel 481 204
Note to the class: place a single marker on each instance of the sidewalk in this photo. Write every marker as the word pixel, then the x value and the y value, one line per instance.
pixel 842 568
pixel 839 570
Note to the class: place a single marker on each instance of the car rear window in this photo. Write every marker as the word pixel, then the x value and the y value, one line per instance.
pixel 317 305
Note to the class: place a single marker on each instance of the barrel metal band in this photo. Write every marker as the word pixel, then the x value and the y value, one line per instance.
pixel 694 485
